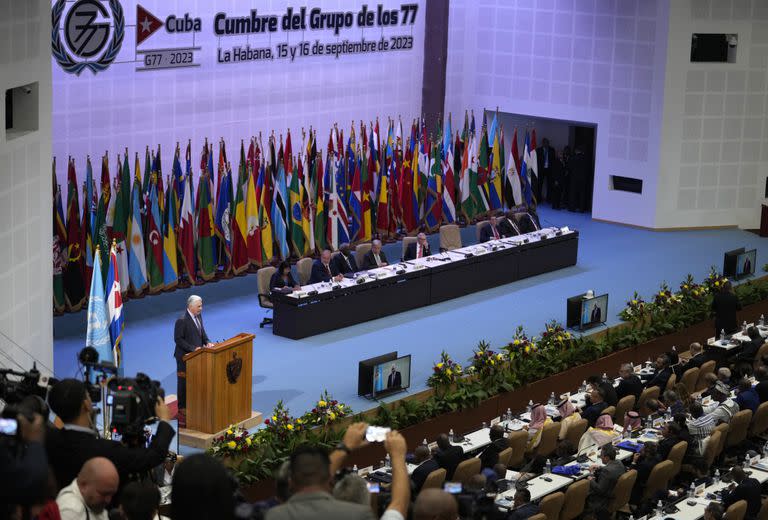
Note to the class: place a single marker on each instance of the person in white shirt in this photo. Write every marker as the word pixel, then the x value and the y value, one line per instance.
pixel 89 495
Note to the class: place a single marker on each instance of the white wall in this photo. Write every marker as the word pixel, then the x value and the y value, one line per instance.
pixel 598 61
pixel 714 155
pixel 26 328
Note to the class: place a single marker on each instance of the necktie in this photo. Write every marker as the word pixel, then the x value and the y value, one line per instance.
pixel 198 323
pixel 378 262
pixel 495 232
pixel 418 251
pixel 328 269
pixel 346 259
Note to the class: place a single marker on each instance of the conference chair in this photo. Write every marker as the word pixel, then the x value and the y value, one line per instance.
pixel 649 393
pixel 723 429
pixel 671 382
pixel 738 428
pixel 435 479
pixel 706 368
pixel 505 456
pixel 263 276
pixel 538 516
pixel 711 450
pixel 552 504
pixel 622 491
pixel 517 441
pixel 450 237
pixel 304 268
pixel 762 351
pixel 737 510
pixel 676 455
pixel 575 498
pixel 658 479
pixel 575 430
pixel 759 421
pixel 624 405
pixel 360 251
pixel 548 441
pixel 479 227
pixel 610 410
pixel 466 470
pixel 690 378
pixel 763 514
pixel 406 241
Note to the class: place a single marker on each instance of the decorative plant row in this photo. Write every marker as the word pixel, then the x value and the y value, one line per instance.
pixel 488 372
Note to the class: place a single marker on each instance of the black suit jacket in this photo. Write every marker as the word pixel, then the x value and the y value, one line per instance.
pixel 523 512
pixel 527 222
pixel 421 473
pixel 449 459
pixel 319 272
pixel 749 490
pixel 369 262
pixel 762 391
pixel 490 455
pixel 611 397
pixel 486 233
pixel 187 336
pixel 394 380
pixel 724 307
pixel 344 264
pixel 68 450
pixel 660 379
pixel 630 386
pixel 410 251
pixel 592 412
pixel 596 314
pixel 277 282
pixel 507 228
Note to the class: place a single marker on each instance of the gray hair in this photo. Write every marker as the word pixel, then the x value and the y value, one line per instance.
pixel 627 366
pixel 193 299
pixel 376 242
pixel 724 372
pixel 352 488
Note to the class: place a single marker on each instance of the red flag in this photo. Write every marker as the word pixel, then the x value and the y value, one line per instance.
pixel 146 24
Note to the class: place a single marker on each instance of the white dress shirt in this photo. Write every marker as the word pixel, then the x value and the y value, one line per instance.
pixel 72 505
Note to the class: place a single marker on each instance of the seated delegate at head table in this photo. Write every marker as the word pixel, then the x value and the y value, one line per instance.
pixel 375 257
pixel 282 278
pixel 418 249
pixel 323 270
pixel 507 225
pixel 344 261
pixel 528 221
pixel 492 231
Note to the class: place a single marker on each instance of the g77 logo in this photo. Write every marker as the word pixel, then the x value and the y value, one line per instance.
pixel 87 31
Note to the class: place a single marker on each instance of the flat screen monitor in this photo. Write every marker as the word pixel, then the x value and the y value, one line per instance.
pixel 392 376
pixel 745 263
pixel 594 311
pixel 365 371
pixel 729 262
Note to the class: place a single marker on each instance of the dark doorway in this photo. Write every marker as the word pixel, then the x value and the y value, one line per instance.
pixel 572 179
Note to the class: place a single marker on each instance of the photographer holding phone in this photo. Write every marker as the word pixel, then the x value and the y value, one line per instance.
pixel 23 463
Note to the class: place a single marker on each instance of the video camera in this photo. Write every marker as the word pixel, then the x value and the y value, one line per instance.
pixel 24 393
pixel 132 403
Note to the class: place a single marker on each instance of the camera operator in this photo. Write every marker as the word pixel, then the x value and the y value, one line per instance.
pixel 23 465
pixel 77 441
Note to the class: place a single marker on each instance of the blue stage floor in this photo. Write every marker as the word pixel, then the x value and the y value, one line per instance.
pixel 612 258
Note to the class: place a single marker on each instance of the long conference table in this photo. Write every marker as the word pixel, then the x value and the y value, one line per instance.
pixel 404 286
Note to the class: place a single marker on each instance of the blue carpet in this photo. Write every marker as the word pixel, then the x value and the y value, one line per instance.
pixel 612 258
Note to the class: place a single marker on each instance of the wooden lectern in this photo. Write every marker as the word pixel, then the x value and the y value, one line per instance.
pixel 219 384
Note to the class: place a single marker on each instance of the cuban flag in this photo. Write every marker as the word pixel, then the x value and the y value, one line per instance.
pixel 97 335
pixel 115 308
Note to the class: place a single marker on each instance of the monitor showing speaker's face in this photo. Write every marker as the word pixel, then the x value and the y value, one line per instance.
pixel 393 375
pixel 745 263
pixel 594 311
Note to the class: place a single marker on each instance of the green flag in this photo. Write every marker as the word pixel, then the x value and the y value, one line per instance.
pixel 59 246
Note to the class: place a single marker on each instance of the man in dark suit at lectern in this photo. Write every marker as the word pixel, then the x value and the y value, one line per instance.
pixel 189 335
pixel 596 314
pixel 394 380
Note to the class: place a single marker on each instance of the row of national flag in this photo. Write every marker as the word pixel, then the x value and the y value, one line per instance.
pixel 278 203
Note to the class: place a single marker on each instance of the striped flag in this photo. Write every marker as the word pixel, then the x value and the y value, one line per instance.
pixel 137 263
pixel 115 308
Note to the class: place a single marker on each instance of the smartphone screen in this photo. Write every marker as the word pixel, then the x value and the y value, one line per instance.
pixel 8 426
pixel 373 487
pixel 376 433
pixel 452 487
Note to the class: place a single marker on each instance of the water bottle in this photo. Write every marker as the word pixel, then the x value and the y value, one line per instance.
pixel 691 491
pixel 583 387
pixel 485 425
pixel 765 450
pixel 509 414
pixel 744 327
pixel 424 442
pixel 548 468
pixel 660 509
pixel 605 376
pixel 552 398
pixel 354 468
pixel 722 335
pixel 530 406
pixel 387 462
pixel 762 321
pixel 450 435
pixel 717 476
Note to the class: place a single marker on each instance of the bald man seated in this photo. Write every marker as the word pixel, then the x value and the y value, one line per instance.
pixel 89 495
pixel 435 504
